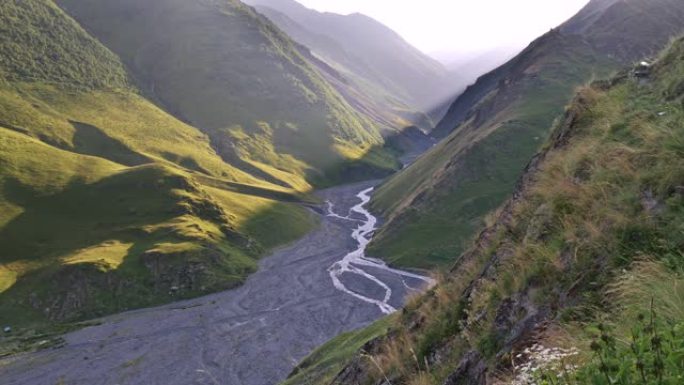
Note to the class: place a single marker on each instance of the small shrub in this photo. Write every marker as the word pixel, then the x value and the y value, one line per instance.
pixel 653 355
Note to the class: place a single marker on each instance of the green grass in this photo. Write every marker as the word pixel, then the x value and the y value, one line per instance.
pixel 237 77
pixel 81 211
pixel 106 200
pixel 120 126
pixel 112 221
pixel 65 55
pixel 321 366
pixel 595 235
pixel 271 222
pixel 438 204
pixel 65 211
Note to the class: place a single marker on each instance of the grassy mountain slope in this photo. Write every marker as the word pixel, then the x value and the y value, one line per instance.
pixel 440 200
pixel 436 205
pixel 66 55
pixel 584 261
pixel 607 21
pixel 107 202
pixel 337 66
pixel 229 71
pixel 378 60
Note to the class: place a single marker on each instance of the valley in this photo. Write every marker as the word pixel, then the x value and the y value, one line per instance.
pixel 253 335
pixel 255 192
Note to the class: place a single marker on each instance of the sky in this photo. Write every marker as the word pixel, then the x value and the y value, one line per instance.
pixel 460 26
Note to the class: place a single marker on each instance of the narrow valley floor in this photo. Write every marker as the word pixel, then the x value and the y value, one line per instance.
pixel 253 335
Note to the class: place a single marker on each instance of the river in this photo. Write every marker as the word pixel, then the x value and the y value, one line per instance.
pixel 302 296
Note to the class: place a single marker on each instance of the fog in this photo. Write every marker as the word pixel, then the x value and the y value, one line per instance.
pixel 449 29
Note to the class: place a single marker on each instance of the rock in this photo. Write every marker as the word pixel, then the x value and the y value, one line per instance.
pixel 358 372
pixel 679 190
pixel 471 370
pixel 540 224
pixel 642 70
pixel 650 203
pixel 7 329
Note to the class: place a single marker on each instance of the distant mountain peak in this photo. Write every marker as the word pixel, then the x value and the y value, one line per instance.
pixel 374 53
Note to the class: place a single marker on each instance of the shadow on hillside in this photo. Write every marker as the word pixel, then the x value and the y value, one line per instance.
pixel 83 215
pixel 128 208
pixel 250 189
pixel 90 140
pixel 378 162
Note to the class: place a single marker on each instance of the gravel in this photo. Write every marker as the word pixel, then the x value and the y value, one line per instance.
pixel 253 335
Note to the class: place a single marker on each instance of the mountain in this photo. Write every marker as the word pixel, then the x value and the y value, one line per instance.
pixel 467 67
pixel 108 202
pixel 606 22
pixel 223 68
pixel 491 131
pixel 377 59
pixel 578 277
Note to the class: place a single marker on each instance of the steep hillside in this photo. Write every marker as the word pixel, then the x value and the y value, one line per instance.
pixel 493 129
pixel 606 22
pixel 106 201
pixel 227 70
pixel 374 100
pixel 376 58
pixel 578 280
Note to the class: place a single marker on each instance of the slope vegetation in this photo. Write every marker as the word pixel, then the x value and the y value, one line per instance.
pixel 379 61
pixel 229 71
pixel 493 129
pixel 108 202
pixel 578 278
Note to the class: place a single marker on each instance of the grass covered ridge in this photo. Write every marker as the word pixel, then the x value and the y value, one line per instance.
pixel 437 204
pixel 76 227
pixel 593 237
pixel 107 202
pixel 233 74
pixel 66 55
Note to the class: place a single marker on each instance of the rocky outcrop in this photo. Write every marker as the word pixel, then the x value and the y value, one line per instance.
pixel 471 370
pixel 183 273
pixel 358 370
pixel 76 291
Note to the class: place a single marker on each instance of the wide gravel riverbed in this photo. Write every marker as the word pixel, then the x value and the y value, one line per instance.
pixel 302 296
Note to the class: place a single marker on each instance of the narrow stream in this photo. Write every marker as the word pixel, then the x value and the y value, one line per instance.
pixel 302 296
pixel 356 260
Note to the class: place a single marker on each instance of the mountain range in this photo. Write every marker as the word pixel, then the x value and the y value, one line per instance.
pixel 577 270
pixel 491 131
pixel 155 150
pixel 375 58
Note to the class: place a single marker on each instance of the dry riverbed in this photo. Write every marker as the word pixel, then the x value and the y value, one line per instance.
pixel 253 335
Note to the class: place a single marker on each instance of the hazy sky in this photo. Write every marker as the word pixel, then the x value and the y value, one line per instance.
pixel 460 25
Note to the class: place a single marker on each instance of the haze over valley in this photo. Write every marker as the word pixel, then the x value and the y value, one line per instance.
pixel 265 192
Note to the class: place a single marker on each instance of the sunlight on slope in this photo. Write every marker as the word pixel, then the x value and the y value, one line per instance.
pixel 269 221
pixel 107 255
pixel 138 128
pixel 7 278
